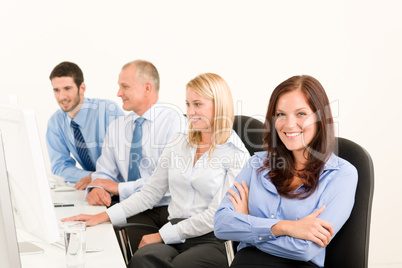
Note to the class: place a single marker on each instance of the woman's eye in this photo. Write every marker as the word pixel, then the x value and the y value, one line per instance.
pixel 301 114
pixel 187 104
pixel 280 114
pixel 197 104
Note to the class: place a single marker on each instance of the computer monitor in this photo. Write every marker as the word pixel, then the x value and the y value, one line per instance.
pixel 9 254
pixel 29 187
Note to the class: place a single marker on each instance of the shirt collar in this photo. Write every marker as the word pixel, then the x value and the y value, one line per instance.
pixel 331 164
pixel 152 113
pixel 81 116
pixel 234 140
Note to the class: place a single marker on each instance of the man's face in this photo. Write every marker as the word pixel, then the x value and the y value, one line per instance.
pixel 131 91
pixel 66 93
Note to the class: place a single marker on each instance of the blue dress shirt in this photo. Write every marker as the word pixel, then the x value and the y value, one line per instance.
pixel 93 118
pixel 336 190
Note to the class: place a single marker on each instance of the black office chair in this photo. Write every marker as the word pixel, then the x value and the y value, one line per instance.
pixel 350 246
pixel 250 132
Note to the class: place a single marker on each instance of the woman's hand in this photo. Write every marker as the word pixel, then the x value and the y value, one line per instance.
pixel 91 220
pixel 309 228
pixel 240 202
pixel 150 239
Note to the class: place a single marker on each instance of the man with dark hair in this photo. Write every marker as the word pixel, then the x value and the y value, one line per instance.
pixel 78 129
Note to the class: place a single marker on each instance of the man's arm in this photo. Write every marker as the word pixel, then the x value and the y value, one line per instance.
pixel 62 164
pixel 107 168
pixel 83 183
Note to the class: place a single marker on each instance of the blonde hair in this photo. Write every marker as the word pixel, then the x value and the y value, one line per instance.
pixel 213 87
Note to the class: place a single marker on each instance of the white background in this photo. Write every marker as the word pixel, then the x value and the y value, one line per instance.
pixel 354 48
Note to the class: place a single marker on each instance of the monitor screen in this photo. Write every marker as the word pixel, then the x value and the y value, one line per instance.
pixel 9 254
pixel 29 187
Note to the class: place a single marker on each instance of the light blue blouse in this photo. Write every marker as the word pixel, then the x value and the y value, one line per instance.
pixel 336 190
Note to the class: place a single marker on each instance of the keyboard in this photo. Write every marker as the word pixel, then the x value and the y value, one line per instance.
pixel 89 248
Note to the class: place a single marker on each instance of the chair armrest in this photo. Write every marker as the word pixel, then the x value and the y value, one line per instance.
pixel 138 226
pixel 123 239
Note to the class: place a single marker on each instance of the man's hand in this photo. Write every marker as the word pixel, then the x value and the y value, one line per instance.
pixel 83 183
pixel 91 220
pixel 99 197
pixel 309 228
pixel 109 185
pixel 150 239
pixel 240 202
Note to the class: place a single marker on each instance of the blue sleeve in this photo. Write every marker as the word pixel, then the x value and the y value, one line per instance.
pixel 113 111
pixel 338 197
pixel 62 164
pixel 232 225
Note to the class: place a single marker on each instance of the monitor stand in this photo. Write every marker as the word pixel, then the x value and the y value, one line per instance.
pixel 27 248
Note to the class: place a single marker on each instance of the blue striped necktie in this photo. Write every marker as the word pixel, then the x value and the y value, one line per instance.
pixel 136 151
pixel 81 147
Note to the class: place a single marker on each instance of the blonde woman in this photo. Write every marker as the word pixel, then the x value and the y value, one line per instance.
pixel 197 168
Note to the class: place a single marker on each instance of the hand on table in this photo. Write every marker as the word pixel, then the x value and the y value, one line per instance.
pixel 91 220
pixel 83 182
pixel 99 197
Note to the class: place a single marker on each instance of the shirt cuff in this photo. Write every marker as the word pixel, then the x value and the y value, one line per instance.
pixel 116 214
pixel 261 230
pixel 170 235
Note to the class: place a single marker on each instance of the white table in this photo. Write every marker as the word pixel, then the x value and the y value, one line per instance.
pixel 101 236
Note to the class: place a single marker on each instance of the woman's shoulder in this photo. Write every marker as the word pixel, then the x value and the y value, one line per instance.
pixel 340 169
pixel 178 138
pixel 337 163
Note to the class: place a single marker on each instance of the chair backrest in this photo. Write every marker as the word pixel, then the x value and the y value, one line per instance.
pixel 250 132
pixel 349 248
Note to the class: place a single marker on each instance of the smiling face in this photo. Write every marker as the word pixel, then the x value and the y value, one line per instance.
pixel 66 93
pixel 295 121
pixel 200 111
pixel 131 91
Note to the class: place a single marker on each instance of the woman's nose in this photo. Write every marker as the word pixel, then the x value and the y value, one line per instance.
pixel 291 122
pixel 190 111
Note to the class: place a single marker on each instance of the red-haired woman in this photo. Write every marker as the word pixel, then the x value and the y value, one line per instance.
pixel 290 200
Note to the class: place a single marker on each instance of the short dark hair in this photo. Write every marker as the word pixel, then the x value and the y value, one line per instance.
pixel 70 69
